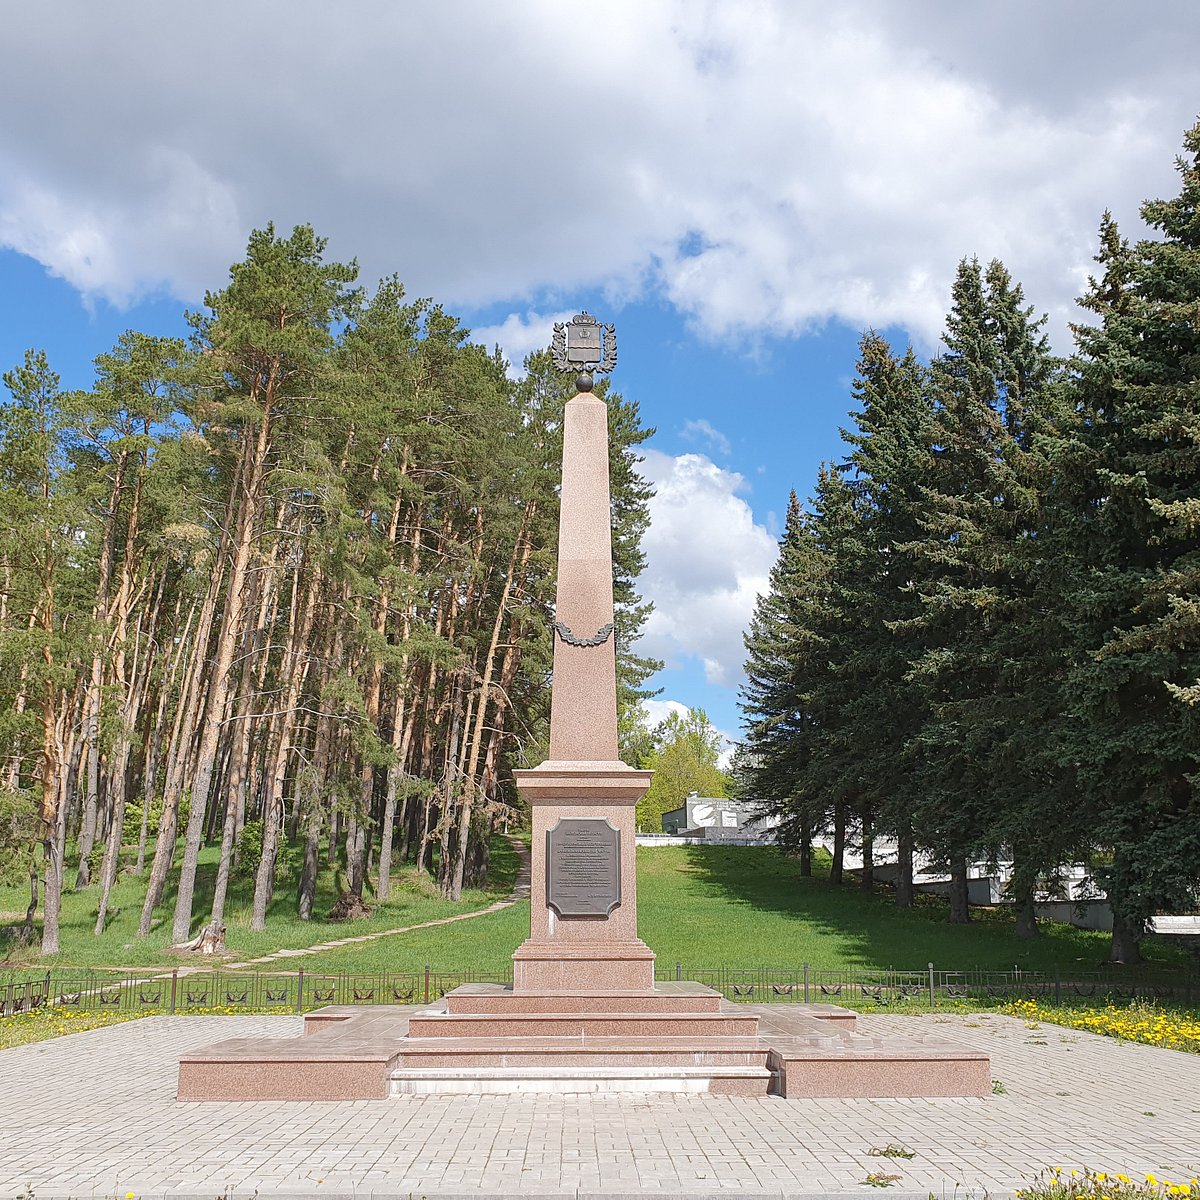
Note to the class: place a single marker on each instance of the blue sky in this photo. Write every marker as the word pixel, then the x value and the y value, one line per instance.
pixel 740 186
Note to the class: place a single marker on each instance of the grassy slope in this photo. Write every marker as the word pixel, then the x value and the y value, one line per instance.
pixel 414 899
pixel 706 907
pixel 693 906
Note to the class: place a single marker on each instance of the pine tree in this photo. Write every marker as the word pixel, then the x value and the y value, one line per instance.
pixel 266 336
pixel 42 516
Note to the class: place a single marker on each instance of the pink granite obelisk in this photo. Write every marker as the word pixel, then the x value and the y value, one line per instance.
pixel 584 783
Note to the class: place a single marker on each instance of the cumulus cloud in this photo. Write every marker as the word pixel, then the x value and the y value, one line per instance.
pixel 762 166
pixel 706 563
pixel 702 431
pixel 518 335
pixel 658 710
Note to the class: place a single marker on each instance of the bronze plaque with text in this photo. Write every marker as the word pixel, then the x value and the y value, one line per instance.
pixel 583 867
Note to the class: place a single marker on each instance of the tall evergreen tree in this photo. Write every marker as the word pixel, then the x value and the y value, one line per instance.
pixel 889 461
pixel 978 745
pixel 1133 466
pixel 769 717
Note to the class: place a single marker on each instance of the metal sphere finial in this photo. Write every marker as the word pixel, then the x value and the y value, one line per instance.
pixel 584 382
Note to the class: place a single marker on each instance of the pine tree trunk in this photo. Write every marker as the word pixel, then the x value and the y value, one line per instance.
pixel 153 744
pixel 313 813
pixel 53 809
pixel 356 854
pixel 235 794
pixel 254 660
pixel 296 661
pixel 388 824
pixel 312 851
pixel 91 716
pixel 522 548
pixel 236 597
pixel 183 727
pixel 87 830
pixel 25 934
pixel 164 852
pixel 70 726
pixel 118 784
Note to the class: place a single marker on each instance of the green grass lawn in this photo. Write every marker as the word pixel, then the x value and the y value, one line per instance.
pixel 414 898
pixel 706 907
pixel 745 907
pixel 749 906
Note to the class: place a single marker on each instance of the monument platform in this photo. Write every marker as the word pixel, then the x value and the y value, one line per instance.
pixel 486 1039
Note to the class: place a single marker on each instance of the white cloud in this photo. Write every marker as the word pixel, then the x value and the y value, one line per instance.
pixel 658 711
pixel 706 563
pixel 702 431
pixel 518 335
pixel 764 167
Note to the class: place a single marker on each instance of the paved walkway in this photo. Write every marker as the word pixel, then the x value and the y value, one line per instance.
pixel 94 1115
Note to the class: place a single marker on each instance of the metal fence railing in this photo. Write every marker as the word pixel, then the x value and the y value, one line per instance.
pixel 809 985
pixel 182 991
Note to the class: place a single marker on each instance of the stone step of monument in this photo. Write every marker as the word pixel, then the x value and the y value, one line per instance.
pixel 582 1024
pixel 577 1079
pixel 666 997
pixel 854 1066
pixel 638 1052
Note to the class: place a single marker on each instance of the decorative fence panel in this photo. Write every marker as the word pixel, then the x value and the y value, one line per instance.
pixel 184 990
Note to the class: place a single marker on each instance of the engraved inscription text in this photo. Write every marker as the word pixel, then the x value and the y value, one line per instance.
pixel 583 867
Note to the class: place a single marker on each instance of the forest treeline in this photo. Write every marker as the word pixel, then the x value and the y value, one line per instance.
pixel 982 634
pixel 286 586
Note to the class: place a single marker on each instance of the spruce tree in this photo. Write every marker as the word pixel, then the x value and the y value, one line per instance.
pixel 769 716
pixel 980 756
pixel 889 460
pixel 1132 471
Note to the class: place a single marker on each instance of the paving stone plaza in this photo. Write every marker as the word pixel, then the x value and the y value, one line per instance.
pixel 94 1115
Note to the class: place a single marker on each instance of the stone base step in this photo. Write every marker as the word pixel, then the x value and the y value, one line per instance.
pixel 664 997
pixel 582 1024
pixel 851 1066
pixel 635 1052
pixel 576 1080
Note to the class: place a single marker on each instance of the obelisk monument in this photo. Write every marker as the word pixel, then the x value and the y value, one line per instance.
pixel 583 913
pixel 583 1014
